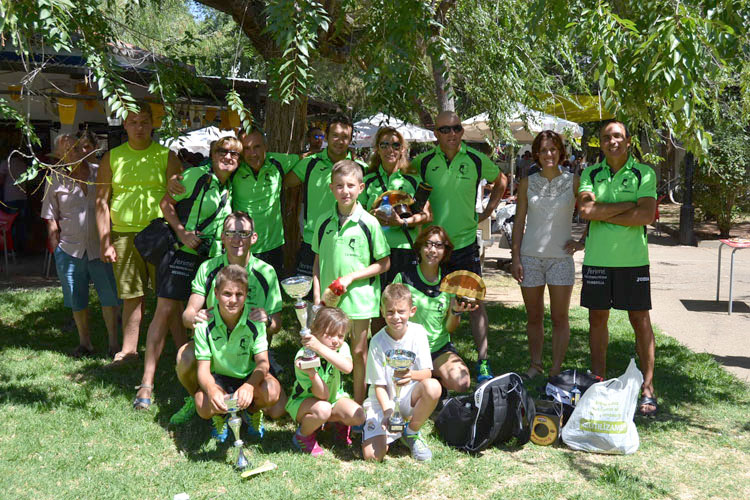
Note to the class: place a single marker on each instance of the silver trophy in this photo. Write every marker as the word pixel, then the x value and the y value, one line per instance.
pixel 235 423
pixel 399 360
pixel 297 287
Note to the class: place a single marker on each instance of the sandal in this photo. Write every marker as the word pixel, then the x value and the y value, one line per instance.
pixel 122 358
pixel 647 401
pixel 81 351
pixel 534 371
pixel 142 403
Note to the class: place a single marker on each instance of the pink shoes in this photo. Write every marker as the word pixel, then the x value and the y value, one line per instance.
pixel 307 444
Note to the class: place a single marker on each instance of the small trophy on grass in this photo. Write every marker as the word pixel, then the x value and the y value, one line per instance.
pixel 399 360
pixel 297 287
pixel 235 423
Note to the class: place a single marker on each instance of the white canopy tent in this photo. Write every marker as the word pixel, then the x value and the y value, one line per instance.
pixel 197 141
pixel 477 129
pixel 365 130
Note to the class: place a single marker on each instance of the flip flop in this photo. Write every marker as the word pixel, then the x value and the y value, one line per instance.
pixel 647 401
pixel 122 358
pixel 533 371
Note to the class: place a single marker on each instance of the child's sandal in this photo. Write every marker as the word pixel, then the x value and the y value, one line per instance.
pixel 142 403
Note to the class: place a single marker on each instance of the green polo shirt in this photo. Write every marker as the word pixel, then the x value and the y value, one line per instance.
pixel 613 245
pixel 259 194
pixel 433 306
pixel 315 173
pixel 329 374
pixel 262 283
pixel 204 205
pixel 378 182
pixel 231 353
pixel 348 248
pixel 454 189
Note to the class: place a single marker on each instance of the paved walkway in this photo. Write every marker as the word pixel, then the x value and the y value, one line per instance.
pixel 683 293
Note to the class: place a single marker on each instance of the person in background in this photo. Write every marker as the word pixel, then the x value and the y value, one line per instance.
pixel 68 208
pixel 315 138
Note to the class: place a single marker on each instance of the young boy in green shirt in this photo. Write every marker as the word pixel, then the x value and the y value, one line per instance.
pixel 351 252
pixel 232 354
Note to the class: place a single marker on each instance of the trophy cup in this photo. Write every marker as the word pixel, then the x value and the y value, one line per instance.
pixel 235 423
pixel 297 287
pixel 399 360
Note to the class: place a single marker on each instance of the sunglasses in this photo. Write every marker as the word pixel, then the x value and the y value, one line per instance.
pixel 386 145
pixel 232 153
pixel 239 234
pixel 447 129
pixel 319 136
pixel 437 245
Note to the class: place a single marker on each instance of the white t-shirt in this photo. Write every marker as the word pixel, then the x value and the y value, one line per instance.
pixel 379 373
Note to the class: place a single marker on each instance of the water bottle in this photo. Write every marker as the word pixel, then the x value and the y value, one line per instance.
pixel 385 207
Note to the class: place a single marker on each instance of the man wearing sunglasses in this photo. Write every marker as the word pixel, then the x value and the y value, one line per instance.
pixel 263 299
pixel 455 170
pixel 315 138
pixel 314 172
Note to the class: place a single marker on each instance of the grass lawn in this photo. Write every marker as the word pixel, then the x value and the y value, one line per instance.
pixel 69 432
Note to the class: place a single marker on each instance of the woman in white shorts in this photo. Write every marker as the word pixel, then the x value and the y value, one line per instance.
pixel 543 247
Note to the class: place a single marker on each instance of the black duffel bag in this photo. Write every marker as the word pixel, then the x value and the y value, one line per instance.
pixel 155 240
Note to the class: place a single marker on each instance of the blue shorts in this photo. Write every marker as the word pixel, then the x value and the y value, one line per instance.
pixel 75 275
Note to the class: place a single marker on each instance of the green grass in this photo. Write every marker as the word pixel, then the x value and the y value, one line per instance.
pixel 68 431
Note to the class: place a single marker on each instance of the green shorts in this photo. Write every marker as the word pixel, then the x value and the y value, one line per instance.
pixel 132 273
pixel 293 404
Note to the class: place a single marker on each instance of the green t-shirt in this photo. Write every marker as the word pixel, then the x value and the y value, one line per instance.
pixel 348 248
pixel 262 283
pixel 378 182
pixel 232 354
pixel 315 173
pixel 139 181
pixel 259 194
pixel 454 189
pixel 613 245
pixel 329 374
pixel 433 306
pixel 204 206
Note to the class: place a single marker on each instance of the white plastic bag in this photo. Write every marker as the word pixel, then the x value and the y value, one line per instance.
pixel 602 421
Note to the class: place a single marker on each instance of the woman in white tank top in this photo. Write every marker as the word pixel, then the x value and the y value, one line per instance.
pixel 543 247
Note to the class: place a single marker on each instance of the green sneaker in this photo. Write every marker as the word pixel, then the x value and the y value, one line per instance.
pixel 254 423
pixel 184 414
pixel 484 372
pixel 419 450
pixel 220 429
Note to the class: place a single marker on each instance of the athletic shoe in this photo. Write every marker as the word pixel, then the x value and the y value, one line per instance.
pixel 220 429
pixel 254 423
pixel 184 414
pixel 484 372
pixel 307 444
pixel 419 450
pixel 341 433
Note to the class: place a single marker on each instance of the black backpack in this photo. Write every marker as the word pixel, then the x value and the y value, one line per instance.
pixel 499 410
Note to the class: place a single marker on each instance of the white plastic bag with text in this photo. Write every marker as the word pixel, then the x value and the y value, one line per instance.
pixel 602 421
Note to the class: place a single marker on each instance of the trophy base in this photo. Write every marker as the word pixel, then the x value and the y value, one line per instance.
pixel 309 363
pixel 394 427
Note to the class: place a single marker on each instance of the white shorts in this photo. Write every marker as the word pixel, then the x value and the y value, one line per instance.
pixel 374 415
pixel 540 271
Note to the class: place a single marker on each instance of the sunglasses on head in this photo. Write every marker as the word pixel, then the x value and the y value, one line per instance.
pixel 386 145
pixel 447 129
pixel 239 234
pixel 232 153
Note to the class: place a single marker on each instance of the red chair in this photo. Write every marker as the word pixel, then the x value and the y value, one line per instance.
pixel 6 238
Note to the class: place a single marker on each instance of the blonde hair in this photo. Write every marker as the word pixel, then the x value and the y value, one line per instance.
pixel 330 320
pixel 396 292
pixel 347 167
pixel 403 162
pixel 229 141
pixel 233 273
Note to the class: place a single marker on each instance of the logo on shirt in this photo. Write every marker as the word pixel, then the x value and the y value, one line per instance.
pixel 243 343
pixel 462 169
pixel 434 169
pixel 440 307
pixel 352 242
pixel 329 231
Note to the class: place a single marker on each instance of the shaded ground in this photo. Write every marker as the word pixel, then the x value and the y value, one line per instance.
pixel 704 230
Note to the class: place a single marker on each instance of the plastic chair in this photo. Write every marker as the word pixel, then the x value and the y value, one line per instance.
pixel 6 238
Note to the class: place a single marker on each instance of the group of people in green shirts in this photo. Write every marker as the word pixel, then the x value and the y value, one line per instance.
pixel 387 269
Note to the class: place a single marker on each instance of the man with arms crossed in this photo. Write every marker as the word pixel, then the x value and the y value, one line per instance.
pixel 618 196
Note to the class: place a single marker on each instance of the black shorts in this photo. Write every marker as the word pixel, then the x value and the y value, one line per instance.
pixel 464 259
pixel 175 275
pixel 448 347
pixel 625 288
pixel 305 260
pixel 275 258
pixel 401 260
pixel 227 383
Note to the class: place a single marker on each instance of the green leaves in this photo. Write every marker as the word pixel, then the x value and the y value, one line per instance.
pixel 234 101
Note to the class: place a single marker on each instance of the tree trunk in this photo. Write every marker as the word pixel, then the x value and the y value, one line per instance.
pixel 285 132
pixel 445 100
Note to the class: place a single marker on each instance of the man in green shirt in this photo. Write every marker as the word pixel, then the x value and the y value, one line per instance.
pixel 618 196
pixel 455 170
pixel 314 172
pixel 130 183
pixel 257 191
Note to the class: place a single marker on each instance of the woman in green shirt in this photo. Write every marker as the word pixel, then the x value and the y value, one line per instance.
pixel 439 312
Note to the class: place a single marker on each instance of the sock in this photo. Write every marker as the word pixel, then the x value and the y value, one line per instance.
pixel 409 432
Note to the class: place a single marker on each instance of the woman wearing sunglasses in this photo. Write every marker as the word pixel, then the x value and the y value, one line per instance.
pixel 389 170
pixel 197 217
pixel 543 247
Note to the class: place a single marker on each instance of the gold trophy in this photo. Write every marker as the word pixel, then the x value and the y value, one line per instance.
pixel 297 287
pixel 399 360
